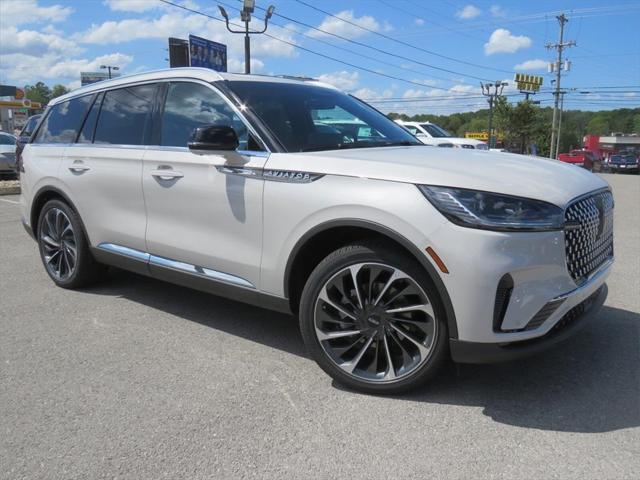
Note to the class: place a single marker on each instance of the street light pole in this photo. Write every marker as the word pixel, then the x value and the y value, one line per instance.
pixel 245 16
pixel 486 91
pixel 109 68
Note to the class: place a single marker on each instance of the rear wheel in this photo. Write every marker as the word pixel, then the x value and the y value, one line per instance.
pixel 372 320
pixel 64 249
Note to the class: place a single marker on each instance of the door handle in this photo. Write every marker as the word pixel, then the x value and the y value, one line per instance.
pixel 78 167
pixel 166 174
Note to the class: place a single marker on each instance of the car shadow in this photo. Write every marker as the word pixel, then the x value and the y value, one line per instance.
pixel 590 383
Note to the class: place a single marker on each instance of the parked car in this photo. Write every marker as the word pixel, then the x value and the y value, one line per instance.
pixel 429 133
pixel 582 158
pixel 435 142
pixel 625 163
pixel 24 136
pixel 393 255
pixel 7 154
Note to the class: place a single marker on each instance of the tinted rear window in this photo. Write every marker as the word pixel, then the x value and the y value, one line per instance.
pixel 125 115
pixel 63 121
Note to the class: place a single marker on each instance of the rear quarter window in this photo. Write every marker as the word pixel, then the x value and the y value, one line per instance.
pixel 62 123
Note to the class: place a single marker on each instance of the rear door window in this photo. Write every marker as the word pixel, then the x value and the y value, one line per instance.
pixel 125 116
pixel 64 120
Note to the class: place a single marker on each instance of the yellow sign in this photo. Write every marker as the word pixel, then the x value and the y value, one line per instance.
pixel 26 103
pixel 477 135
pixel 528 83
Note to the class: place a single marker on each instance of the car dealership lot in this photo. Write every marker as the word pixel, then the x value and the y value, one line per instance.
pixel 135 378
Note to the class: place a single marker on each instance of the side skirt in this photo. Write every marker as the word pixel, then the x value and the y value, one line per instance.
pixel 138 262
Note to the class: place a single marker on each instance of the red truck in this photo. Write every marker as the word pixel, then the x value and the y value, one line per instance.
pixel 582 158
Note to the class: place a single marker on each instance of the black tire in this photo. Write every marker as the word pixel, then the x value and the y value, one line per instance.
pixel 373 253
pixel 85 270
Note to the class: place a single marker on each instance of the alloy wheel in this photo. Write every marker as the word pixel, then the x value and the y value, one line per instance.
pixel 59 245
pixel 375 322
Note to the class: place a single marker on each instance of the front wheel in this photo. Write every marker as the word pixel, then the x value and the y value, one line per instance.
pixel 372 320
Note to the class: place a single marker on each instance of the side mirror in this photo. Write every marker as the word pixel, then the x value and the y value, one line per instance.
pixel 214 137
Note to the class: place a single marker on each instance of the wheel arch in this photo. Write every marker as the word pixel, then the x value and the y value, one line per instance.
pixel 326 237
pixel 43 195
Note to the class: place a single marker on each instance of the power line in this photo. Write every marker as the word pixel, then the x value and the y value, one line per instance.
pixel 395 40
pixel 300 47
pixel 368 57
pixel 371 47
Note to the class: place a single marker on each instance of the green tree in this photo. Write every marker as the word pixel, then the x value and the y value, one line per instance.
pixel 38 93
pixel 58 90
pixel 599 125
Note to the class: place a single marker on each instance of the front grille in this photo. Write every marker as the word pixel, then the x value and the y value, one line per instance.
pixel 588 234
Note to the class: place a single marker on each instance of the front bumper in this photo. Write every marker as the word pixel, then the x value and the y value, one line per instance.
pixel 570 323
pixel 628 167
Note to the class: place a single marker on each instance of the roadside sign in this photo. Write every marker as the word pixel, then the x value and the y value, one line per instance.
pixel 7 91
pixel 178 52
pixel 528 83
pixel 207 54
pixel 87 78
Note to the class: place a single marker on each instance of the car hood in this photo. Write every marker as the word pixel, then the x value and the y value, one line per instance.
pixel 520 175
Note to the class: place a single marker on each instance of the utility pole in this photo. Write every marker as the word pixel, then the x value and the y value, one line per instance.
pixel 557 67
pixel 248 7
pixel 109 68
pixel 497 91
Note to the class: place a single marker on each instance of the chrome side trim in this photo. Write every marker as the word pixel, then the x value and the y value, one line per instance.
pixel 288 176
pixel 253 153
pixel 126 251
pixel 200 271
pixel 240 171
pixel 176 265
pixel 593 277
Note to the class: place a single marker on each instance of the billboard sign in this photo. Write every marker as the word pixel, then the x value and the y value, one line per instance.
pixel 87 78
pixel 207 54
pixel 528 83
pixel 178 52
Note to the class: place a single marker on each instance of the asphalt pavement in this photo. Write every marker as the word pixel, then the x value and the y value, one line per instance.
pixel 139 379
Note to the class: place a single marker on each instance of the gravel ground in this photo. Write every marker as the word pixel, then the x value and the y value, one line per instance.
pixel 138 379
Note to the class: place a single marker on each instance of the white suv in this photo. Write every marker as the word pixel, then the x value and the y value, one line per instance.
pixel 432 134
pixel 292 195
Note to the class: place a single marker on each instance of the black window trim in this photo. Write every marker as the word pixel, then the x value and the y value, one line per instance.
pixel 86 116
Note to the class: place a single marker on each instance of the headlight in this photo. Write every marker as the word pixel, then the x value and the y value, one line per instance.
pixel 492 211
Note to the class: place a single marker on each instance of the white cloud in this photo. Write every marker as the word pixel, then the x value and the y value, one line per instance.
pixel 22 69
pixel 468 12
pixel 532 65
pixel 178 25
pixel 31 42
pixel 419 22
pixel 497 11
pixel 20 12
pixel 502 41
pixel 338 27
pixel 235 65
pixel 343 80
pixel 132 5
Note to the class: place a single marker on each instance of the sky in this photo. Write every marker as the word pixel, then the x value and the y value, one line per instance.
pixel 410 56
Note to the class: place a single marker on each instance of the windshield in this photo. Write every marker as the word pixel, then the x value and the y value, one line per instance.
pixel 310 118
pixel 435 131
